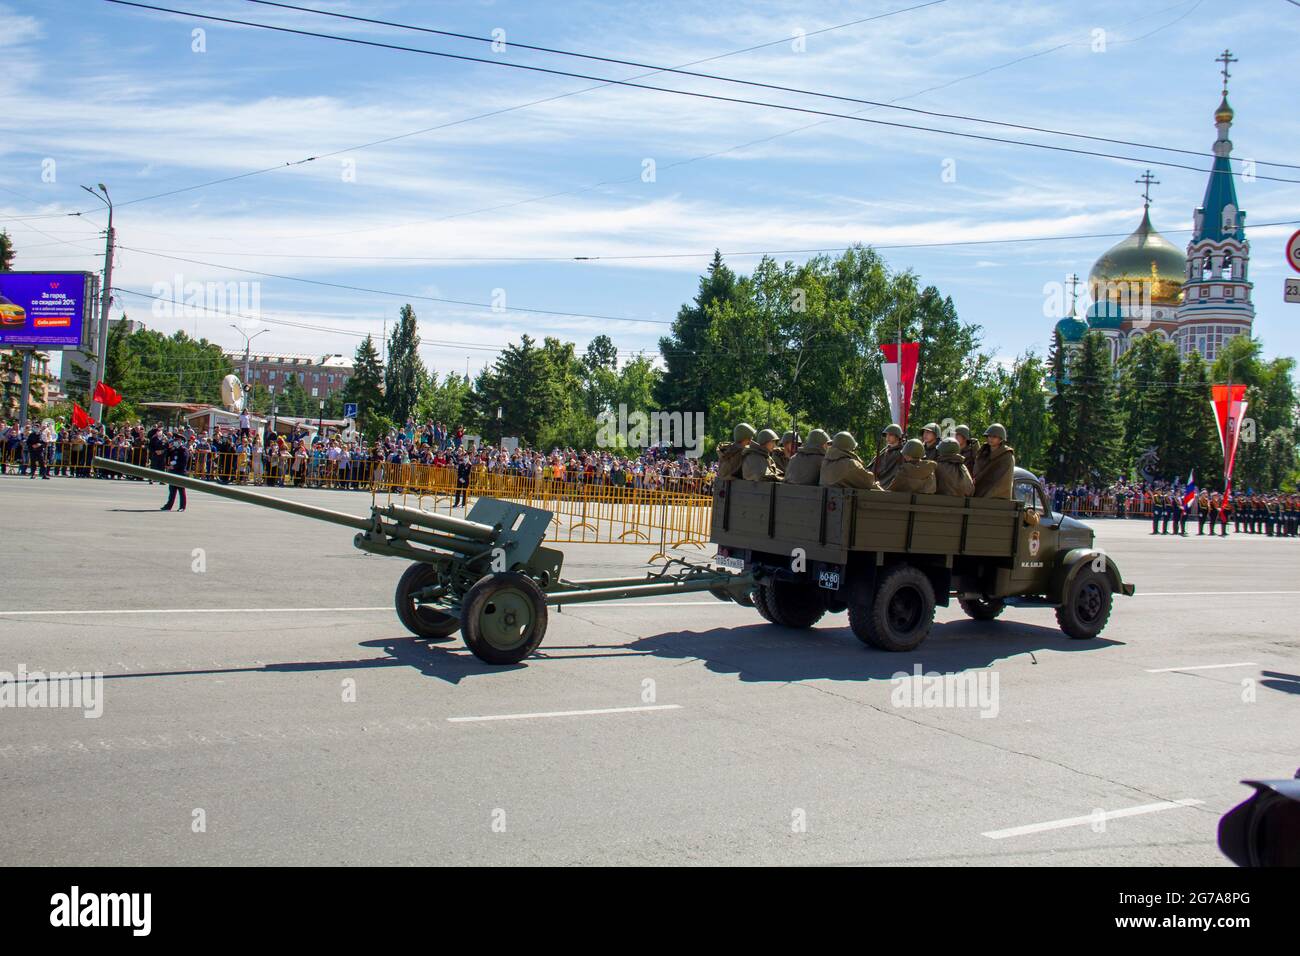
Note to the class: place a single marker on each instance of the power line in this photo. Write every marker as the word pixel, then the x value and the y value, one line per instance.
pixel 692 93
pixel 760 85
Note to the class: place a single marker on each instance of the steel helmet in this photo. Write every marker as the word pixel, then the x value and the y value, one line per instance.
pixel 913 448
pixel 963 431
pixel 790 438
pixel 765 436
pixel 844 441
pixel 932 428
pixel 742 431
pixel 895 430
pixel 995 431
pixel 949 446
pixel 817 438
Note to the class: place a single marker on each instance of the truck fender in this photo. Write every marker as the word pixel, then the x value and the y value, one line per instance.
pixel 1077 560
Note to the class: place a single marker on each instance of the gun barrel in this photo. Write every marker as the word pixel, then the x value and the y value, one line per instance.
pixel 239 494
pixel 474 530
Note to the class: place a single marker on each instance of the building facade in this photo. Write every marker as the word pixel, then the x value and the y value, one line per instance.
pixel 1198 297
pixel 320 375
pixel 11 382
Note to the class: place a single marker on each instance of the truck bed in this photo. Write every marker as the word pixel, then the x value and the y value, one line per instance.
pixel 829 523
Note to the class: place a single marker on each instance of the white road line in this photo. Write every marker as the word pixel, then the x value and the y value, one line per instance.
pixel 1091 818
pixel 565 713
pixel 1200 667
pixel 1208 593
pixel 198 610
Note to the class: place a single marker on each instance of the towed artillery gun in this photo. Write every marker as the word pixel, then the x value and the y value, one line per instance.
pixel 792 552
pixel 889 557
pixel 485 575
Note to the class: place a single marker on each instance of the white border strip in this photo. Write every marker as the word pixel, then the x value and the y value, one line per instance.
pixel 1200 667
pixel 565 713
pixel 1091 818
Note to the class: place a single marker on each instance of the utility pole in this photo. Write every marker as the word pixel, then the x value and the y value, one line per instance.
pixel 248 343
pixel 101 344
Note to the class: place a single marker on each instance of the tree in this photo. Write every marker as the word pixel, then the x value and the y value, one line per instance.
pixel 750 406
pixel 687 350
pixel 1061 407
pixel 1025 410
pixel 446 401
pixel 404 376
pixel 7 251
pixel 1094 455
pixel 365 387
pixel 123 372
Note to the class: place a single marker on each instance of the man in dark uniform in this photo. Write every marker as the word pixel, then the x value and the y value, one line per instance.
pixel 180 464
pixel 38 453
pixel 890 457
pixel 463 468
pixel 930 439
pixel 969 447
pixel 157 449
pixel 1157 510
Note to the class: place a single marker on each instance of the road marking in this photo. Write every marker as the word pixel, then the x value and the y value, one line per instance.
pixel 198 610
pixel 1207 593
pixel 1200 667
pixel 566 713
pixel 1091 818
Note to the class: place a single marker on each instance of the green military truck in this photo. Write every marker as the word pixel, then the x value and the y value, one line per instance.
pixel 889 558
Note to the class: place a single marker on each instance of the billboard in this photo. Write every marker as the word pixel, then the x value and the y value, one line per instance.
pixel 45 310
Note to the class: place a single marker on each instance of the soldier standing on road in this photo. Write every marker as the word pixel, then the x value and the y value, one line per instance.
pixel 730 453
pixel 930 438
pixel 757 464
pixel 995 465
pixel 1157 510
pixel 842 468
pixel 180 464
pixel 887 460
pixel 805 467
pixel 463 468
pixel 951 475
pixel 969 448
pixel 915 473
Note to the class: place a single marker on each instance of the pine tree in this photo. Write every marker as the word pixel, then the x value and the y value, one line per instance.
pixel 1093 456
pixel 1196 426
pixel 366 386
pixel 7 251
pixel 688 382
pixel 1061 407
pixel 405 374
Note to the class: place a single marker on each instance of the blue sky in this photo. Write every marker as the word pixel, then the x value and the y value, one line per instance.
pixel 118 95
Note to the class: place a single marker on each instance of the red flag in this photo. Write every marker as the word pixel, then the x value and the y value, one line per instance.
pixel 1229 404
pixel 900 376
pixel 106 395
pixel 80 417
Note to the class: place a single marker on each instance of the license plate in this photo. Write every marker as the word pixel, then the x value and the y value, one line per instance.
pixel 734 564
pixel 830 580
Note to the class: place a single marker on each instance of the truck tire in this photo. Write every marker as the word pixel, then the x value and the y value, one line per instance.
pixel 759 596
pixel 503 618
pixel 792 604
pixel 982 608
pixel 1085 608
pixel 423 622
pixel 900 615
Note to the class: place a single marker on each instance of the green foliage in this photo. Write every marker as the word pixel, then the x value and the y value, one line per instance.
pixel 751 406
pixel 445 401
pixel 7 251
pixel 366 388
pixel 1270 428
pixel 148 366
pixel 404 375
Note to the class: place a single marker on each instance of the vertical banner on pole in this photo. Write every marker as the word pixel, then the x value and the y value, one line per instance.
pixel 899 371
pixel 1229 403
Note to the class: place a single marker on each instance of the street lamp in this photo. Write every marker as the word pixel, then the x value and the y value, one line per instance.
pixel 101 340
pixel 248 343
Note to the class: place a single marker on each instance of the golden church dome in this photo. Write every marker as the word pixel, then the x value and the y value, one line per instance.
pixel 1144 257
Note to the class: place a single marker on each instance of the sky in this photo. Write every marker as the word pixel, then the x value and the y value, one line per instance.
pixel 359 178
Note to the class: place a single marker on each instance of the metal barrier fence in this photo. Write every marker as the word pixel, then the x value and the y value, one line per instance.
pixel 667 512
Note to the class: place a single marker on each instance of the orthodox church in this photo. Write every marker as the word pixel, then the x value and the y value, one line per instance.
pixel 1198 298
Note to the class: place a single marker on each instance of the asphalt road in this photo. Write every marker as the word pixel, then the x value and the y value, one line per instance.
pixel 233 640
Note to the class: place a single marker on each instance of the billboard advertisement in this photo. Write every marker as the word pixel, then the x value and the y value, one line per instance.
pixel 44 310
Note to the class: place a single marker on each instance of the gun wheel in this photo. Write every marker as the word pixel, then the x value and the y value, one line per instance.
pixel 425 622
pixel 503 619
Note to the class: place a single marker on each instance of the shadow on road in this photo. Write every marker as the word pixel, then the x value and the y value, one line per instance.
pixel 1278 680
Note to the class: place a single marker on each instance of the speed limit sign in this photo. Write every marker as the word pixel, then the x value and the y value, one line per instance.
pixel 1293 250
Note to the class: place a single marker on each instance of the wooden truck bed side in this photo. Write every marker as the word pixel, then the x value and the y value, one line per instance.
pixel 828 523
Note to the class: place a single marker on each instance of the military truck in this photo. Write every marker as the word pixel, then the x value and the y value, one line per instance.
pixel 889 558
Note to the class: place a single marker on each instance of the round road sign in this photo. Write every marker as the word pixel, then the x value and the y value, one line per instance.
pixel 1293 250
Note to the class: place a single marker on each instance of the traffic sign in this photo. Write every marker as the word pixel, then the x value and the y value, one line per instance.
pixel 349 409
pixel 1293 251
pixel 1291 289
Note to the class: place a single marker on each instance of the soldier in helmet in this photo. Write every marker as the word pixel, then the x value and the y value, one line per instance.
pixel 757 463
pixel 951 474
pixel 729 453
pixel 842 468
pixel 887 461
pixel 995 465
pixel 930 439
pixel 915 472
pixel 969 447
pixel 788 449
pixel 805 466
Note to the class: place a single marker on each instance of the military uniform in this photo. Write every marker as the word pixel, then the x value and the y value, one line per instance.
pixel 887 459
pixel 730 453
pixel 842 468
pixel 805 467
pixel 916 476
pixel 932 442
pixel 951 475
pixel 757 464
pixel 995 468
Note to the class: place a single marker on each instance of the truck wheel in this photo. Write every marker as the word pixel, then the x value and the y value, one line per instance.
pixel 792 604
pixel 503 618
pixel 423 622
pixel 899 617
pixel 982 608
pixel 1086 607
pixel 759 597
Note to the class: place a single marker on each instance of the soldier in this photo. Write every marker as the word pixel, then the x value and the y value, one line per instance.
pixel 930 438
pixel 757 462
pixel 180 464
pixel 951 474
pixel 995 465
pixel 730 453
pixel 886 462
pixel 915 472
pixel 1157 509
pixel 805 467
pixel 1203 512
pixel 842 468
pixel 789 448
pixel 969 448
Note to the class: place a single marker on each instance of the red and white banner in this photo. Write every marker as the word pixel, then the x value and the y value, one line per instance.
pixel 1229 403
pixel 900 376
